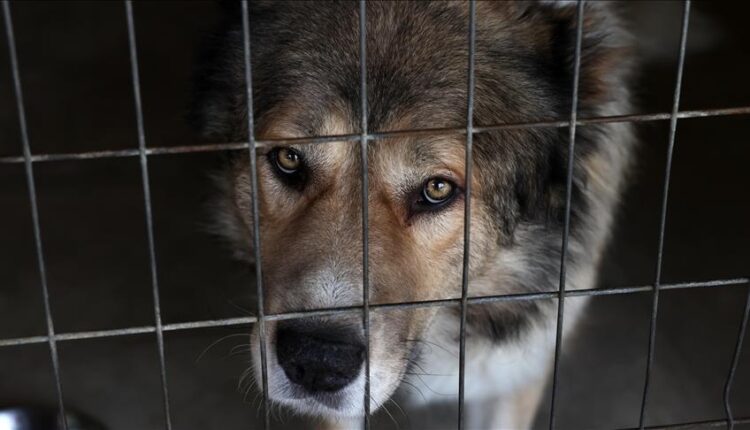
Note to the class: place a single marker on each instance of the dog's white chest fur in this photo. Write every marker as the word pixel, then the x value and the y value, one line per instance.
pixel 491 370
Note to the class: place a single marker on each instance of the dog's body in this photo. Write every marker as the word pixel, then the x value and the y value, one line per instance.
pixel 306 83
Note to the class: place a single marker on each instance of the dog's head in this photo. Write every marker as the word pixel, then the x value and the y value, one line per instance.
pixel 306 72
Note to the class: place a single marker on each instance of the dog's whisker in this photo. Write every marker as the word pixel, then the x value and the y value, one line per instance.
pixel 430 388
pixel 416 364
pixel 241 348
pixel 385 409
pixel 244 311
pixel 430 343
pixel 246 378
pixel 414 387
pixel 422 371
pixel 445 375
pixel 395 403
pixel 216 342
pixel 378 405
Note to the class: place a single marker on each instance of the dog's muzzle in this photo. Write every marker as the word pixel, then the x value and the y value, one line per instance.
pixel 319 357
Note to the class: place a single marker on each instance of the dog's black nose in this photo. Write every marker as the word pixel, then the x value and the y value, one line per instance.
pixel 321 359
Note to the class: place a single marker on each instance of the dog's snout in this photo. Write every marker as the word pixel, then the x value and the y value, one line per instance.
pixel 321 360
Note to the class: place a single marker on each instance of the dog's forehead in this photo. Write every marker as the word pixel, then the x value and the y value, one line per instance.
pixel 419 156
pixel 398 164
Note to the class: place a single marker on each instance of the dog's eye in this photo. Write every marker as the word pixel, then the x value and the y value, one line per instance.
pixel 289 166
pixel 436 194
pixel 287 160
pixel 437 191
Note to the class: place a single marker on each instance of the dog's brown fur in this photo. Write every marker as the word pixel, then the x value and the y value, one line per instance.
pixel 306 75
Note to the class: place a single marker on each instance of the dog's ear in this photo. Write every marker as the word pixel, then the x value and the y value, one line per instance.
pixel 606 51
pixel 550 26
pixel 544 33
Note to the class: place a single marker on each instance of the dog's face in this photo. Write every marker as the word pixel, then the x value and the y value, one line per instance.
pixel 306 80
pixel 311 230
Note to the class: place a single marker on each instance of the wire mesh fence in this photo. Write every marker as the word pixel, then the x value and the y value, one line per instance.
pixel 364 138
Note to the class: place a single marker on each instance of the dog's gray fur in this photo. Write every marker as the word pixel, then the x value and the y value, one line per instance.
pixel 305 55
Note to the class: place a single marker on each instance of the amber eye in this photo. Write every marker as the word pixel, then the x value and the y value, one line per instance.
pixel 438 190
pixel 287 160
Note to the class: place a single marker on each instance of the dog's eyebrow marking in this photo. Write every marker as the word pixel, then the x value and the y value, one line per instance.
pixel 445 153
pixel 294 120
pixel 291 123
pixel 334 154
pixel 333 123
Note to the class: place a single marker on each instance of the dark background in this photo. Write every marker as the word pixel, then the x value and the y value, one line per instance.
pixel 76 79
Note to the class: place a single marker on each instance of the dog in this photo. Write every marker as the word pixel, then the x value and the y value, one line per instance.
pixel 306 81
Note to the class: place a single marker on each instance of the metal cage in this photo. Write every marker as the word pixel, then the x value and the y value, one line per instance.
pixel 28 159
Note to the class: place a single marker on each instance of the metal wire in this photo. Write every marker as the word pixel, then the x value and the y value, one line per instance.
pixel 147 203
pixel 695 425
pixel 34 210
pixel 568 200
pixel 349 310
pixel 423 132
pixel 664 203
pixel 365 202
pixel 256 217
pixel 467 212
pixel 363 137
pixel 735 362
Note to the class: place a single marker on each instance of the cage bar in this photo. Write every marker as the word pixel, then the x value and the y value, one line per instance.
pixel 260 310
pixel 467 211
pixel 29 168
pixel 365 202
pixel 348 310
pixel 568 199
pixel 663 220
pixel 133 49
pixel 735 363
pixel 363 137
pixel 423 132
pixel 706 424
